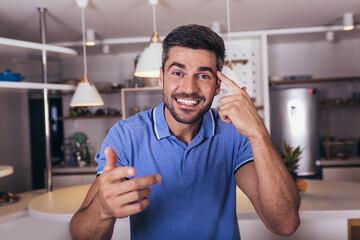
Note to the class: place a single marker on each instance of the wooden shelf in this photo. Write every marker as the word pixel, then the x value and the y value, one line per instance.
pixel 315 80
pixel 109 90
pixel 242 61
pixel 343 105
pixel 90 117
pixel 141 89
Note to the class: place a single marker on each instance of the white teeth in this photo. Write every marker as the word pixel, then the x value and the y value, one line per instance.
pixel 187 102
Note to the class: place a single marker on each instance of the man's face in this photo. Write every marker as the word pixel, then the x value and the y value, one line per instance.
pixel 189 83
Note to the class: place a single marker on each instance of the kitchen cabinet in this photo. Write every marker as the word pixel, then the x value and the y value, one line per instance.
pixel 72 176
pixel 126 91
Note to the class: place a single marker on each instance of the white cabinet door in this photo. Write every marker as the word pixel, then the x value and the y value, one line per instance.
pixel 349 174
pixel 60 181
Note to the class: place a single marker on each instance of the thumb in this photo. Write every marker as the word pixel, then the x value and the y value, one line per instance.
pixel 111 159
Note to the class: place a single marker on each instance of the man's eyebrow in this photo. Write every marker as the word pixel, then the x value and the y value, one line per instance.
pixel 177 64
pixel 207 69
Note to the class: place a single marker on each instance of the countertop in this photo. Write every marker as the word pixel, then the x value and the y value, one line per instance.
pixel 351 162
pixel 61 170
pixel 6 170
pixel 322 200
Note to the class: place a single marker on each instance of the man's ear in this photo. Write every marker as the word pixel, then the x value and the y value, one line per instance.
pixel 161 80
pixel 217 87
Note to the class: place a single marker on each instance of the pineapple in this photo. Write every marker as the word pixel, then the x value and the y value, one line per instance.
pixel 291 157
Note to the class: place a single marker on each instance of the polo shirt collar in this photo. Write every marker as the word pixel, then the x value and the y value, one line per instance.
pixel 162 130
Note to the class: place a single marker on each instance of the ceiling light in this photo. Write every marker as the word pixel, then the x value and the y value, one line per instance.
pixel 90 37
pixel 85 93
pixel 150 61
pixel 348 22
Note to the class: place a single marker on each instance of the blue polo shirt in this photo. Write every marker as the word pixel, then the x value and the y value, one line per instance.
pixel 197 196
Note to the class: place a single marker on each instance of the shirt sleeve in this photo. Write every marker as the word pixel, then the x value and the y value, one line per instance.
pixel 115 139
pixel 244 154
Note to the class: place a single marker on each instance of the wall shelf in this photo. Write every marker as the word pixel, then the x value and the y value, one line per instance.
pixel 343 105
pixel 36 86
pixel 30 50
pixel 90 117
pixel 128 90
pixel 242 61
pixel 315 80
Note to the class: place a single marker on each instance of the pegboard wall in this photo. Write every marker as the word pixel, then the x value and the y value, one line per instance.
pixel 250 74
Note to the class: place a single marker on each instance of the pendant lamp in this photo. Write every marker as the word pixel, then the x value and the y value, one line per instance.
pixel 150 61
pixel 86 93
pixel 348 21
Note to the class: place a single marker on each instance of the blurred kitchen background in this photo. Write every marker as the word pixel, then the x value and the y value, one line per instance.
pixel 288 47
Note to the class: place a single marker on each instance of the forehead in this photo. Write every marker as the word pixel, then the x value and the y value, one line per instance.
pixel 191 58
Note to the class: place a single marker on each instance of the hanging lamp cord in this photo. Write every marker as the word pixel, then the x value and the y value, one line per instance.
pixel 228 29
pixel 154 17
pixel 83 38
pixel 228 18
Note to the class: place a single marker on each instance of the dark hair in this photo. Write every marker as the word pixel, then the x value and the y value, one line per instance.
pixel 196 37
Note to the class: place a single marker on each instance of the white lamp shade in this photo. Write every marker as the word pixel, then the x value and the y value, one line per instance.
pixel 86 95
pixel 150 61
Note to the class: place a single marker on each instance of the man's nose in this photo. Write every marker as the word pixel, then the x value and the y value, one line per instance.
pixel 189 85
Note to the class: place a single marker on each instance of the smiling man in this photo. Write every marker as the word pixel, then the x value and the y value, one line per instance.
pixel 174 169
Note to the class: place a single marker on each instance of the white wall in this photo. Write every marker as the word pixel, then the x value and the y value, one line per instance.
pixel 310 54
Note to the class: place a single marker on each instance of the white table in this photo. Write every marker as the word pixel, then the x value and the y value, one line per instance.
pixel 325 208
pixel 6 170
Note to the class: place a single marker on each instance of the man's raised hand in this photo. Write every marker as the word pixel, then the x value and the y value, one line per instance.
pixel 118 197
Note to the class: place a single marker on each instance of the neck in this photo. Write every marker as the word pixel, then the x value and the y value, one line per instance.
pixel 183 132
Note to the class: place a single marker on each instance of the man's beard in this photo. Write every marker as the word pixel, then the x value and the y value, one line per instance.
pixel 183 117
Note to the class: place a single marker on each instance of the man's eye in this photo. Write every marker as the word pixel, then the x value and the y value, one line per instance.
pixel 203 76
pixel 177 73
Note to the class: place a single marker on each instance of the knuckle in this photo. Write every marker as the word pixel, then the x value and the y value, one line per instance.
pixel 106 193
pixel 136 195
pixel 133 184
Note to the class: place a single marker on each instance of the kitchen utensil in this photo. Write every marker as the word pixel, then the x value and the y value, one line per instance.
pixel 9 76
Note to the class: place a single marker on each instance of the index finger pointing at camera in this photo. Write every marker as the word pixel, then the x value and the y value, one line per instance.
pixel 233 87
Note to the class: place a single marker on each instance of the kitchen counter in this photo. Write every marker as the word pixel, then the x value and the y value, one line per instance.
pixel 351 162
pixel 322 199
pixel 6 170
pixel 328 203
pixel 61 170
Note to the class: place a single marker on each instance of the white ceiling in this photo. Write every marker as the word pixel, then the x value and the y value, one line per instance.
pixel 19 19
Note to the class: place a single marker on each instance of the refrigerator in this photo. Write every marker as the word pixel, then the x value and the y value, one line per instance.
pixel 37 135
pixel 294 119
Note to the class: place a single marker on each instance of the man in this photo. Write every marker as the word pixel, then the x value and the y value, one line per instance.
pixel 189 158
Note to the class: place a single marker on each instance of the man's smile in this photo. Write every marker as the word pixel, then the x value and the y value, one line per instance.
pixel 188 102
